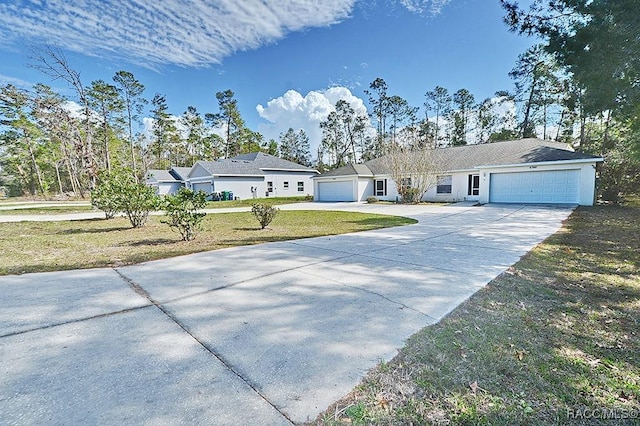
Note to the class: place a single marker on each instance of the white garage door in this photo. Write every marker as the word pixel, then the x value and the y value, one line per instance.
pixel 335 191
pixel 205 187
pixel 552 186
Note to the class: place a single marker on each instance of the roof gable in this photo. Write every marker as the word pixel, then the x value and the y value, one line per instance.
pixel 155 175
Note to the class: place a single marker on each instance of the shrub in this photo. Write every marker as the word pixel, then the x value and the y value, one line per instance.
pixel 103 198
pixel 136 201
pixel 411 196
pixel 265 213
pixel 372 200
pixel 120 192
pixel 182 212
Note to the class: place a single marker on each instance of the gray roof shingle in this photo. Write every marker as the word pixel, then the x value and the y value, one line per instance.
pixel 180 173
pixel 251 164
pixel 154 175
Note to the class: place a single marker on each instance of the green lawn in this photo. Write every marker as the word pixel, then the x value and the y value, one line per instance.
pixel 274 201
pixel 62 245
pixel 555 335
pixel 57 209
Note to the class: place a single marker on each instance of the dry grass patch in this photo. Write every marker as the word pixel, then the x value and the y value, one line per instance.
pixel 554 336
pixel 49 246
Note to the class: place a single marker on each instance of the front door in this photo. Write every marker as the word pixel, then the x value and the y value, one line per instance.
pixel 473 189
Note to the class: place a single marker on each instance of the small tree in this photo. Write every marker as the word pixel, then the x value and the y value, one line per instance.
pixel 136 201
pixel 182 212
pixel 103 197
pixel 414 170
pixel 264 213
pixel 119 192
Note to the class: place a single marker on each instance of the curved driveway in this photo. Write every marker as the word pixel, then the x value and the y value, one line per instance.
pixel 267 334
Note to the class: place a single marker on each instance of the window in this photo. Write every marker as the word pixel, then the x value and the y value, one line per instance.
pixel 405 182
pixel 474 185
pixel 269 186
pixel 380 189
pixel 300 186
pixel 444 185
pixel 286 185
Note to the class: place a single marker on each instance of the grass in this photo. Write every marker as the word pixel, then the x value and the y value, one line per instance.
pixel 62 245
pixel 274 201
pixel 57 209
pixel 555 335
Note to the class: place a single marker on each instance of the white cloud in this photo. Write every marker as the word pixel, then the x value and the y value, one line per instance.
pixel 304 112
pixel 17 82
pixel 425 7
pixel 152 33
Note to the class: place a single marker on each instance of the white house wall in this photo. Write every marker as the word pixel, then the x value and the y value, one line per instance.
pixel 459 182
pixel 365 188
pixel 587 178
pixel 240 186
pixel 279 178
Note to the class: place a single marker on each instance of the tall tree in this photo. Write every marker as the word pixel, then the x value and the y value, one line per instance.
pixel 597 41
pixel 195 135
pixel 21 143
pixel 438 100
pixel 130 90
pixel 164 132
pixel 464 102
pixel 343 133
pixel 379 101
pixel 536 86
pixel 106 103
pixel 400 114
pixel 53 63
pixel 294 146
pixel 229 120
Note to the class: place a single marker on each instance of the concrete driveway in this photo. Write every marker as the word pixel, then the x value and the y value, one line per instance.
pixel 269 334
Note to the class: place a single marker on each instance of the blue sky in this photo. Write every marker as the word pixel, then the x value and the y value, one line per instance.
pixel 287 61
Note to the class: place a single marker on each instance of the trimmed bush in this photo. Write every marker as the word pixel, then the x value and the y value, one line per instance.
pixel 264 213
pixel 183 214
pixel 119 192
pixel 372 200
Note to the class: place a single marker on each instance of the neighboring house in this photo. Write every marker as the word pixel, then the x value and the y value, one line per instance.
pixel 254 175
pixel 520 171
pixel 167 181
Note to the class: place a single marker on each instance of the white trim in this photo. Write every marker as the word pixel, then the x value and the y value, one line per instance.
pixel 544 163
pixel 290 170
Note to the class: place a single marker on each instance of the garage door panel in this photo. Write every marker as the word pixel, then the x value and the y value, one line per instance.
pixel 548 186
pixel 202 186
pixel 335 191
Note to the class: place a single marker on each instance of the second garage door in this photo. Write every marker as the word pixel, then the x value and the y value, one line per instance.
pixel 335 191
pixel 202 186
pixel 550 186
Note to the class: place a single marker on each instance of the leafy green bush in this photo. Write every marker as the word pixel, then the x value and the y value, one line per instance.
pixel 411 195
pixel 264 213
pixel 372 200
pixel 120 192
pixel 137 200
pixel 182 212
pixel 103 198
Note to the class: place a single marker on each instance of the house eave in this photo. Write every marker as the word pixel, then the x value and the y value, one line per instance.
pixel 270 169
pixel 543 163
pixel 351 176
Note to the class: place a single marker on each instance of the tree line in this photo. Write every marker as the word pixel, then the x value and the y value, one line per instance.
pixel 580 86
pixel 49 145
